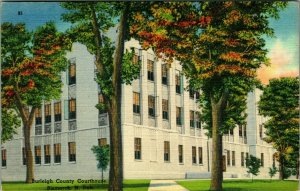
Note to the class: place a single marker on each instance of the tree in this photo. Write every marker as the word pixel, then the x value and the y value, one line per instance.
pixel 31 73
pixel 90 21
pixel 220 46
pixel 272 171
pixel 253 165
pixel 102 156
pixel 280 103
pixel 10 123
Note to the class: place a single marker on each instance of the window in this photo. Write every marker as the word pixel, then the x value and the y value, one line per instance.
pixel 24 156
pixel 57 153
pixel 101 101
pixel 72 151
pixel 197 95
pixel 260 131
pixel 262 159
pixel 138 148
pixel 72 74
pixel 72 109
pixel 245 131
pixel 197 119
pixel 233 158
pixel 3 154
pixel 192 117
pixel 47 154
pixel 166 151
pixel 194 159
pixel 102 142
pixel 151 106
pixel 247 156
pixel 47 113
pixel 200 152
pixel 274 159
pixel 135 59
pixel 178 83
pixel 136 102
pixel 180 153
pixel 57 111
pixel 150 68
pixel 178 115
pixel 231 132
pixel 37 152
pixel 228 157
pixel 240 130
pixel 38 116
pixel 192 93
pixel 165 108
pixel 242 159
pixel 164 74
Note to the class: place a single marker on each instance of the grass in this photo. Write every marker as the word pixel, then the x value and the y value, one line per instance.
pixel 243 185
pixel 129 185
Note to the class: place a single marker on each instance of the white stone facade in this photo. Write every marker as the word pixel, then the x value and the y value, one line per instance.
pixel 152 131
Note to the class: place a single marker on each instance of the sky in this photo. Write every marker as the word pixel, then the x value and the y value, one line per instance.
pixel 283 48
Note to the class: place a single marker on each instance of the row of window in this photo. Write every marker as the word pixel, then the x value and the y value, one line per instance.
pixel 194 116
pixel 47 153
pixel 57 112
pixel 243 159
pixel 138 152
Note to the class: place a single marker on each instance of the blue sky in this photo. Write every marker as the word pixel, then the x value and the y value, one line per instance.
pixel 283 49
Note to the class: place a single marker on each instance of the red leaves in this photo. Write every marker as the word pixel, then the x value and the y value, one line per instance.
pixel 205 21
pixel 7 72
pixel 10 93
pixel 31 84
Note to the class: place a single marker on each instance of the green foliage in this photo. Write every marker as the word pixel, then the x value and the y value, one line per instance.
pixel 130 70
pixel 272 171
pixel 102 156
pixel 10 123
pixel 280 103
pixel 253 165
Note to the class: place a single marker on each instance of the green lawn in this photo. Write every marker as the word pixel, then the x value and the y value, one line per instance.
pixel 243 185
pixel 129 185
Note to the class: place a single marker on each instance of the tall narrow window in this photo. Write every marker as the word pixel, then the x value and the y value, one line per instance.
pixel 233 158
pixel 165 109
pixel 102 142
pixel 3 152
pixel 24 155
pixel 192 93
pixel 150 68
pixel 245 131
pixel 166 151
pixel 260 131
pixel 72 109
pixel 247 156
pixel 242 159
pixel 194 155
pixel 57 111
pixel 72 151
pixel 151 106
pixel 136 102
pixel 178 83
pixel 57 153
pixel 228 157
pixel 274 159
pixel 101 101
pixel 180 153
pixel 135 59
pixel 72 74
pixel 262 159
pixel 192 118
pixel 38 116
pixel 197 95
pixel 47 154
pixel 240 130
pixel 197 119
pixel 231 132
pixel 47 113
pixel 200 155
pixel 178 116
pixel 164 74
pixel 37 152
pixel 138 148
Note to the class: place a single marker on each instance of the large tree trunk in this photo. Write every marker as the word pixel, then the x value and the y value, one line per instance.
pixel 281 167
pixel 29 157
pixel 217 145
pixel 116 155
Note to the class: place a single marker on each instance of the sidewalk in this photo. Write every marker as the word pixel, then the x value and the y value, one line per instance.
pixel 165 185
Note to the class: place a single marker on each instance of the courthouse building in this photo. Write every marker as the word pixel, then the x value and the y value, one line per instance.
pixel 163 137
